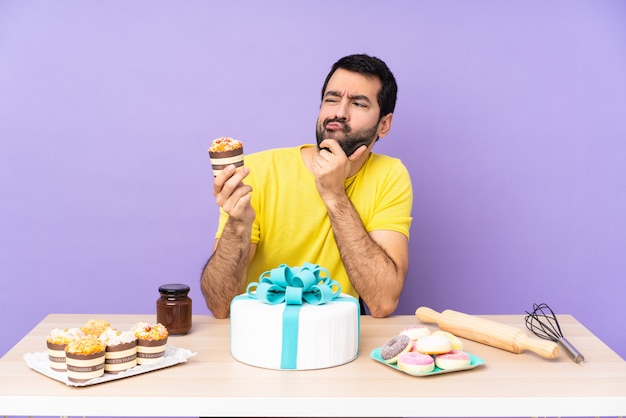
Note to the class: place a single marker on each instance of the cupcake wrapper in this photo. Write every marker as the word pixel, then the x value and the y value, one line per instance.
pixel 120 357
pixel 82 368
pixel 56 355
pixel 221 160
pixel 149 351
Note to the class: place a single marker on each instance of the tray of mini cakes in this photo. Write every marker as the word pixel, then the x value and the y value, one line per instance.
pixel 418 351
pixel 97 353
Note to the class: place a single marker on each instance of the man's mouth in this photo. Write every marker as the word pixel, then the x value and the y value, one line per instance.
pixel 334 126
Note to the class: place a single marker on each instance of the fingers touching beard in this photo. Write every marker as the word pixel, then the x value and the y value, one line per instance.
pixel 350 141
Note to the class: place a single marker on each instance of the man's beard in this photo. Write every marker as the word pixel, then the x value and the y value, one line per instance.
pixel 351 141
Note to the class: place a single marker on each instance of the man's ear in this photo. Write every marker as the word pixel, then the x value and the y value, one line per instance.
pixel 384 125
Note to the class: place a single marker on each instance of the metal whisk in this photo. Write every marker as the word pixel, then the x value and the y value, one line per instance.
pixel 543 323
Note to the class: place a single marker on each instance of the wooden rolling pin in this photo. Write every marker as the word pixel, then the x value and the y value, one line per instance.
pixel 487 332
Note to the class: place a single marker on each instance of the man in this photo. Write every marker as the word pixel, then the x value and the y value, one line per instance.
pixel 337 205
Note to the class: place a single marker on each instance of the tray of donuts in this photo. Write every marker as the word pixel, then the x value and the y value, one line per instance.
pixel 419 352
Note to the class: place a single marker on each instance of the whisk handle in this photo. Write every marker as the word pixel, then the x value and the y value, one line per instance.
pixel 571 351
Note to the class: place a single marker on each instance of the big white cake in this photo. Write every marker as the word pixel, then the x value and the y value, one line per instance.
pixel 319 336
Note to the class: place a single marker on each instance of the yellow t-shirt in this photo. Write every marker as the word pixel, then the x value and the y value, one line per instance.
pixel 292 225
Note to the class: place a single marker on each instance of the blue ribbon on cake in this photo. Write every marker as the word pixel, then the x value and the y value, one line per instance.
pixel 309 283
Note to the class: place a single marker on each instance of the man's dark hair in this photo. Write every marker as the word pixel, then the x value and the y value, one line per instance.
pixel 370 67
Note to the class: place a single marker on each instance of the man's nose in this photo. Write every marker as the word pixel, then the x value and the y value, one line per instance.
pixel 342 110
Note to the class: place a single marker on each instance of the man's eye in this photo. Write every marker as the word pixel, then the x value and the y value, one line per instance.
pixel 359 104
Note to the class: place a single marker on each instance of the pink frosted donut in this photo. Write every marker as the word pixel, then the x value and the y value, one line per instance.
pixel 394 347
pixel 433 344
pixel 415 333
pixel 453 360
pixel 416 363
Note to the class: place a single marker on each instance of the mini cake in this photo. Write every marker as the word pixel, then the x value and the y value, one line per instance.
pixel 225 151
pixel 56 342
pixel 95 327
pixel 85 359
pixel 453 360
pixel 433 344
pixel 454 340
pixel 121 350
pixel 323 336
pixel 151 340
pixel 416 363
pixel 415 333
pixel 394 347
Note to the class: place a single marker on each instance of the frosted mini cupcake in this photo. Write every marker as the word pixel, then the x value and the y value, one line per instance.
pixel 85 359
pixel 151 340
pixel 56 342
pixel 95 327
pixel 121 350
pixel 225 151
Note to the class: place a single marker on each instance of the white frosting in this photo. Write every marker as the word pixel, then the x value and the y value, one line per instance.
pixel 66 335
pixel 415 333
pixel 328 335
pixel 433 344
pixel 139 326
pixel 112 337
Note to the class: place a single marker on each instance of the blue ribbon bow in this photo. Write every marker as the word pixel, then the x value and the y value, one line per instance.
pixel 293 285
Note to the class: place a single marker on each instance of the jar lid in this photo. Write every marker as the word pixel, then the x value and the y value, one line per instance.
pixel 174 289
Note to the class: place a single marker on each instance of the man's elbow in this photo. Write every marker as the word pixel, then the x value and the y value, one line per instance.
pixel 218 310
pixel 219 313
pixel 383 310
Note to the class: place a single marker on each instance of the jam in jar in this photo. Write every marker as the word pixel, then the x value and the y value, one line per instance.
pixel 174 308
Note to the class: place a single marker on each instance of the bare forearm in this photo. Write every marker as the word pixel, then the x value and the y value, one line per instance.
pixel 224 275
pixel 373 273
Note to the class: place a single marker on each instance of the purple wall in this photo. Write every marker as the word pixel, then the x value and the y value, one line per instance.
pixel 511 120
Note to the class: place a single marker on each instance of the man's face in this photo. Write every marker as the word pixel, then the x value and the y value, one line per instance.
pixel 349 112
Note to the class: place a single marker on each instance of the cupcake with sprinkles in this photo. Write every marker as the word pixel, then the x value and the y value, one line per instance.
pixel 151 341
pixel 225 151
pixel 56 342
pixel 121 350
pixel 85 359
pixel 95 327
